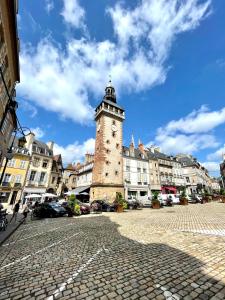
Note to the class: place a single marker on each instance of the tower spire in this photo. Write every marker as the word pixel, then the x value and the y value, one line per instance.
pixel 132 140
pixel 110 94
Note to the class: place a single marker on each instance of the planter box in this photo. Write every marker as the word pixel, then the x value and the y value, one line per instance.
pixel 119 208
pixel 156 205
pixel 183 201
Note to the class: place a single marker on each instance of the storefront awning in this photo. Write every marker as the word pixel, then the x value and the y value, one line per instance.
pixel 78 190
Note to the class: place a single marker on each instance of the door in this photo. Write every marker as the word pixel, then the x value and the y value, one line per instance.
pixel 13 199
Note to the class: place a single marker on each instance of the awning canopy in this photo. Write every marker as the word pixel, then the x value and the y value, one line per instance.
pixel 49 195
pixel 33 196
pixel 170 188
pixel 78 190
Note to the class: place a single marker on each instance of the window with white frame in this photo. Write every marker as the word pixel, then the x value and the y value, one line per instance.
pixel 7 177
pixel 22 164
pixel 11 163
pixel 42 177
pixel 18 178
pixel 32 175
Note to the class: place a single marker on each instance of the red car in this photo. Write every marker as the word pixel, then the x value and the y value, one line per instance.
pixel 84 208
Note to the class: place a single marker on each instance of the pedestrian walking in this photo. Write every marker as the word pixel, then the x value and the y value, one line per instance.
pixel 15 211
pixel 25 212
pixel 1 205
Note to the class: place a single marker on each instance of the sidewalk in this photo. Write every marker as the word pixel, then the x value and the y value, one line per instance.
pixel 4 235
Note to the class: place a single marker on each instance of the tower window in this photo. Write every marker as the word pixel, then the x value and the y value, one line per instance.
pixel 114 122
pixel 118 162
pixel 106 174
pixel 117 145
pixel 107 142
pixel 107 151
pixel 113 134
pixel 107 162
pixel 116 172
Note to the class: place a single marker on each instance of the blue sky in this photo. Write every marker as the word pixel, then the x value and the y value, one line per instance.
pixel 166 58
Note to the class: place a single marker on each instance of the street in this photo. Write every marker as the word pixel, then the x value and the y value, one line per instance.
pixel 172 253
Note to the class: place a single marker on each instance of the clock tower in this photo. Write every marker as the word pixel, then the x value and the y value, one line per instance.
pixel 107 177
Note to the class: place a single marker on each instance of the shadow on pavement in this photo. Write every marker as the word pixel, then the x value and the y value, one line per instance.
pixel 124 269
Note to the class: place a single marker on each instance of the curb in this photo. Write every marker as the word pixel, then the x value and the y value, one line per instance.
pixel 11 232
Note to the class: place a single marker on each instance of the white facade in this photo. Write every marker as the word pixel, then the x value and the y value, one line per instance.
pixel 136 178
pixel 84 176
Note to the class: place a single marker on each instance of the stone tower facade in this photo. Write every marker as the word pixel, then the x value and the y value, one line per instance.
pixel 107 178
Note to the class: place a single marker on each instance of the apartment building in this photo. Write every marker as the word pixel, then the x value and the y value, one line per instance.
pixel 15 175
pixel 40 174
pixel 9 62
pixel 55 182
pixel 136 172
pixel 197 179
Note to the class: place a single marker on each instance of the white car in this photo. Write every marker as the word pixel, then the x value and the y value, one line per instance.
pixel 164 197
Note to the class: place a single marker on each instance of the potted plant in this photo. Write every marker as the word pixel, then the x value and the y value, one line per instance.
pixel 155 201
pixel 205 198
pixel 222 195
pixel 119 203
pixel 77 209
pixel 183 198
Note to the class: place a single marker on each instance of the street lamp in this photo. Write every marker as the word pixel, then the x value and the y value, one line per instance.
pixel 21 143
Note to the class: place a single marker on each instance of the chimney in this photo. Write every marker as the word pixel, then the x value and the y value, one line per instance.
pixel 88 158
pixel 29 141
pixel 141 147
pixel 50 145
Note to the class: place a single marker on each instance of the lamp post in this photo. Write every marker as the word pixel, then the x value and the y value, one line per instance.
pixel 21 143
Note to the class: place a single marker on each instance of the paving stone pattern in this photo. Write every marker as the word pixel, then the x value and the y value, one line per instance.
pixel 171 253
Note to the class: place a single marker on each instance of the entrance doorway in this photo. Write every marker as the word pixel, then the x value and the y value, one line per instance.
pixel 13 199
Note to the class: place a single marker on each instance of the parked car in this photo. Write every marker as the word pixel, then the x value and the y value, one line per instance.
pixel 195 198
pixel 102 205
pixel 84 207
pixel 51 209
pixel 168 199
pixel 134 204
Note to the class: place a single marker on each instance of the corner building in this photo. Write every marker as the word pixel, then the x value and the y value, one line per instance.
pixel 107 178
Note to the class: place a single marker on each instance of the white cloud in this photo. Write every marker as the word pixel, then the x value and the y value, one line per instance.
pixel 75 152
pixel 49 5
pixel 39 133
pixel 73 13
pixel 212 166
pixel 191 133
pixel 217 155
pixel 61 80
pixel 199 121
pixel 28 108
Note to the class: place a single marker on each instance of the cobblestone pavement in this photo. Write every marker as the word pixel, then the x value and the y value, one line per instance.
pixel 171 253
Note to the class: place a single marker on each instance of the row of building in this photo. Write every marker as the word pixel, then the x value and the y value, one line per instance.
pixel 133 171
pixel 34 169
pixel 147 170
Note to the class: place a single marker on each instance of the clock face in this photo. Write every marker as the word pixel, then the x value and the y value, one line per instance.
pixel 114 128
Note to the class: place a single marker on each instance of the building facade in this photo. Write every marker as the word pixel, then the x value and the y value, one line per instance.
pixel 197 179
pixel 15 175
pixel 222 173
pixel 107 177
pixel 9 62
pixel 41 172
pixel 136 172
